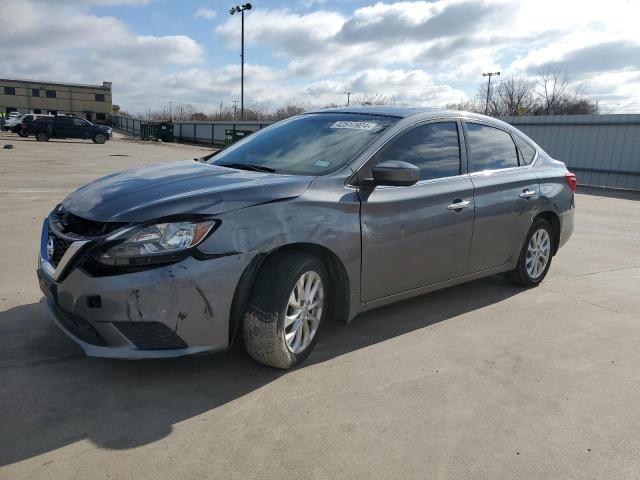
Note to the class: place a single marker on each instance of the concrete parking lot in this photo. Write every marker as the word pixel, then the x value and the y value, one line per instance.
pixel 479 381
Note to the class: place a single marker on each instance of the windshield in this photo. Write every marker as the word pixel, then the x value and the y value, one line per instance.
pixel 314 144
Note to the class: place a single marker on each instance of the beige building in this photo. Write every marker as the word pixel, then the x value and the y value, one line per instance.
pixel 92 102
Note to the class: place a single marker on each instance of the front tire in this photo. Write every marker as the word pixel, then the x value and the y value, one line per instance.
pixel 99 138
pixel 285 309
pixel 23 134
pixel 535 257
pixel 42 137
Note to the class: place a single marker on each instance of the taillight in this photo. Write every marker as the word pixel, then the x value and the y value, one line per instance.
pixel 571 181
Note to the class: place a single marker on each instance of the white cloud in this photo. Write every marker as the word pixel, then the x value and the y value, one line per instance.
pixel 66 43
pixel 417 52
pixel 205 13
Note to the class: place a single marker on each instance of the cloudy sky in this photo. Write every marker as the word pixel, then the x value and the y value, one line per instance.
pixel 419 53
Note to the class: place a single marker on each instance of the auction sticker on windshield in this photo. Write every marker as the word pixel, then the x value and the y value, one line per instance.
pixel 355 125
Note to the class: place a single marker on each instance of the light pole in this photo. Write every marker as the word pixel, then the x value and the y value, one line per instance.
pixel 240 9
pixel 170 111
pixel 488 74
pixel 348 96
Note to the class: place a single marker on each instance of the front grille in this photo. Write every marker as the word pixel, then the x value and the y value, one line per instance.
pixel 60 246
pixel 70 224
pixel 150 335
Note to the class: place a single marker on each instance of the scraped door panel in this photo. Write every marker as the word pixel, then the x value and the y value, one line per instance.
pixel 412 238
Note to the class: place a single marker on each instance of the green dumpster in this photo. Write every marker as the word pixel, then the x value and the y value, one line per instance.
pixel 157 131
pixel 233 135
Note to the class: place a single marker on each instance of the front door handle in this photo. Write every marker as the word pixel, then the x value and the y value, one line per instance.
pixel 459 205
pixel 526 193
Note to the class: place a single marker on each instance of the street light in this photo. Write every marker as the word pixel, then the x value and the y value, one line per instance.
pixel 240 9
pixel 489 74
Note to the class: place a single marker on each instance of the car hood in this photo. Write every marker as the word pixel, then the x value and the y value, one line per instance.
pixel 184 187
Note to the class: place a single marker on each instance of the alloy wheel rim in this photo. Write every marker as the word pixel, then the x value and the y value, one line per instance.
pixel 303 313
pixel 538 253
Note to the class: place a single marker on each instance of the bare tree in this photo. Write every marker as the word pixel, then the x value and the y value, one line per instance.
pixel 472 105
pixel 551 90
pixel 374 98
pixel 515 95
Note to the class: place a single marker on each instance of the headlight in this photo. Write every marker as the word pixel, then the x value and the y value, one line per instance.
pixel 157 243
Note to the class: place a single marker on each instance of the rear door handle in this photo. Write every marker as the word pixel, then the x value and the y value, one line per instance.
pixel 459 205
pixel 527 193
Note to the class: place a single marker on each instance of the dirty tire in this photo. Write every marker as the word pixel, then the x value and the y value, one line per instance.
pixel 42 137
pixel 519 275
pixel 99 138
pixel 263 323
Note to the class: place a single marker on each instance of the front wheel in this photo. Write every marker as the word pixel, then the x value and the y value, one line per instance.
pixel 535 257
pixel 285 309
pixel 42 137
pixel 99 138
pixel 23 134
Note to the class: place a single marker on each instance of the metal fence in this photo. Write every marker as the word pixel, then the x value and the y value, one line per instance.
pixel 207 132
pixel 603 150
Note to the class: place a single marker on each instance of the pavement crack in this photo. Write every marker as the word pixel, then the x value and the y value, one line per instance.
pixel 595 273
pixel 43 361
pixel 581 300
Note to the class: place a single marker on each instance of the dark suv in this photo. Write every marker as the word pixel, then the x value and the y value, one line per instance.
pixel 62 126
pixel 27 124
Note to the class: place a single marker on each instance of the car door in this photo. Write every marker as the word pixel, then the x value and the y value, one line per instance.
pixel 64 127
pixel 81 127
pixel 505 196
pixel 415 236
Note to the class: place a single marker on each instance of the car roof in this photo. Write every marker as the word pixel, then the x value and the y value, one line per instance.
pixel 403 112
pixel 419 113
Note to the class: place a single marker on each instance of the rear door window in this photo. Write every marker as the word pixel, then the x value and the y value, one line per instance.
pixel 491 148
pixel 433 148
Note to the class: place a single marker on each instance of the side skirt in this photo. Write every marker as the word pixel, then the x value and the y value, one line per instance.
pixel 397 297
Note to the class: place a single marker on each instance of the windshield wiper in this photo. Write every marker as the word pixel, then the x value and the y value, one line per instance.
pixel 247 166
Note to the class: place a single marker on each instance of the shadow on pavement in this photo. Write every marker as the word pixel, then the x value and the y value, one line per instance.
pixel 52 395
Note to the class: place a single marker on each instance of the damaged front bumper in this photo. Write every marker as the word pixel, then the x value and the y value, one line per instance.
pixel 168 311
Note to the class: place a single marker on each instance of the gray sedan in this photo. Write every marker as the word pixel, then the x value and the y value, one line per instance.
pixel 318 217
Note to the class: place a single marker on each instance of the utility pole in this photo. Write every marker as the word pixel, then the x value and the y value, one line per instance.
pixel 488 74
pixel 170 111
pixel 235 108
pixel 240 10
pixel 348 97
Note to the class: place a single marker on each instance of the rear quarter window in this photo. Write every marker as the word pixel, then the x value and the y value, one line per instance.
pixel 527 151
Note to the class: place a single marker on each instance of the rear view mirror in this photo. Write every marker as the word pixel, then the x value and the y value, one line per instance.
pixel 395 173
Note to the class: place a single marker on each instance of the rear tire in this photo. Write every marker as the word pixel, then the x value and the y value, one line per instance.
pixel 99 138
pixel 23 134
pixel 42 137
pixel 535 257
pixel 286 309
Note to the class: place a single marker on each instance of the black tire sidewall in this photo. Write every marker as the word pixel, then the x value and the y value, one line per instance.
pixel 311 264
pixel 265 312
pixel 100 136
pixel 522 263
pixel 42 137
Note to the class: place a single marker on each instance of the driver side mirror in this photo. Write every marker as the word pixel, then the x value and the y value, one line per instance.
pixel 396 173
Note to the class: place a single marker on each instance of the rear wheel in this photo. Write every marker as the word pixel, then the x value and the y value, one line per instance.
pixel 285 309
pixel 535 257
pixel 22 133
pixel 99 138
pixel 42 137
